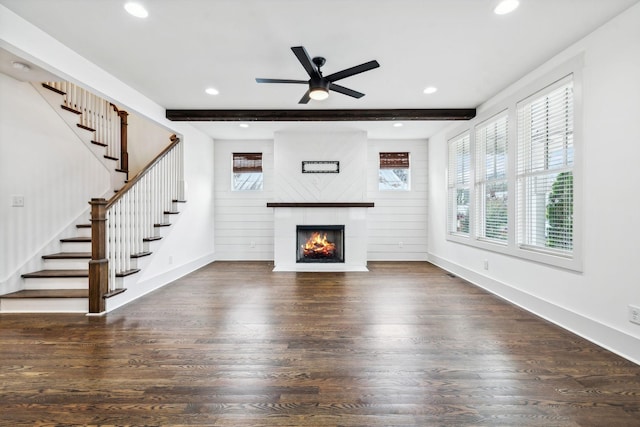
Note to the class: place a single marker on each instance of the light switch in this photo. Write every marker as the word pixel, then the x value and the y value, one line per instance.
pixel 17 201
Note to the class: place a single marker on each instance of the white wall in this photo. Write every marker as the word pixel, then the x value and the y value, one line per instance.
pixel 397 226
pixel 243 223
pixel 592 303
pixel 145 139
pixel 192 236
pixel 347 147
pixel 44 161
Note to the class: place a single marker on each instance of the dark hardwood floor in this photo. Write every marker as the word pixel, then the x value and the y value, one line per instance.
pixel 235 344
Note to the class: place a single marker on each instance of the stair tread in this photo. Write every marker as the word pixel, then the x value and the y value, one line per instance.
pixel 179 201
pixel 73 110
pixel 164 224
pixel 151 239
pixel 102 144
pixel 83 226
pixel 56 273
pixel 128 272
pixel 90 129
pixel 76 239
pixel 49 293
pixel 110 157
pixel 171 212
pixel 46 86
pixel 68 255
pixel 141 254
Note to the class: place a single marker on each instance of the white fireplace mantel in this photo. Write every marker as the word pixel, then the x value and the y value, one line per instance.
pixel 287 216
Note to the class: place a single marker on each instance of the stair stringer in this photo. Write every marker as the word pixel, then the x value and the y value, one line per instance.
pixel 55 100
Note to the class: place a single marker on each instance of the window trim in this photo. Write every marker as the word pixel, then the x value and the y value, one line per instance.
pixel 509 103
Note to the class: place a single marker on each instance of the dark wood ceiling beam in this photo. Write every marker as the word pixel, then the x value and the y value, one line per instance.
pixel 320 115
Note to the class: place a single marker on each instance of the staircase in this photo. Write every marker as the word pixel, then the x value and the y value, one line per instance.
pixel 62 285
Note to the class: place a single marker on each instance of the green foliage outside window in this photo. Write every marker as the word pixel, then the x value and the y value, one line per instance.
pixel 560 212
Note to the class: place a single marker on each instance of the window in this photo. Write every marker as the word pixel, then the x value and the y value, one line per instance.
pixel 545 170
pixel 459 181
pixel 491 189
pixel 513 177
pixel 247 171
pixel 393 173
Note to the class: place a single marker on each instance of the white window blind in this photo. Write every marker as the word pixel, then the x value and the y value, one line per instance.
pixel 545 170
pixel 459 180
pixel 491 185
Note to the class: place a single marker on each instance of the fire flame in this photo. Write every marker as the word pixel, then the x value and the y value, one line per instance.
pixel 318 246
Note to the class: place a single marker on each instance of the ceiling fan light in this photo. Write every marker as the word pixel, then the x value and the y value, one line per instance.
pixel 136 9
pixel 319 93
pixel 506 6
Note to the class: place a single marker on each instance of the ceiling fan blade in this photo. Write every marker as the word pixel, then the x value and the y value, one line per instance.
pixel 353 70
pixel 345 90
pixel 305 60
pixel 305 98
pixel 280 81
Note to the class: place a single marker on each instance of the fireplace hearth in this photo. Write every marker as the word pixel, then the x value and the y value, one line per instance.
pixel 320 243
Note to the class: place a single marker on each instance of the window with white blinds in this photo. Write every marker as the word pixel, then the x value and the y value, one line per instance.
pixel 545 170
pixel 491 185
pixel 247 171
pixel 459 185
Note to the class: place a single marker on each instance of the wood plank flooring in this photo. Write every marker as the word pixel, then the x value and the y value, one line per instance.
pixel 234 344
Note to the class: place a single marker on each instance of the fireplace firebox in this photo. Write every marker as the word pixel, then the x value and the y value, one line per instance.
pixel 320 243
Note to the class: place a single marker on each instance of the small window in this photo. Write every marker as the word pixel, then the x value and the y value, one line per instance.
pixel 247 171
pixel 394 171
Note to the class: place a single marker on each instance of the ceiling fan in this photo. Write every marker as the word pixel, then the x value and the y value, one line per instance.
pixel 319 85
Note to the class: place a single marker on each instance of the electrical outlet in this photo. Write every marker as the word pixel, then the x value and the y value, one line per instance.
pixel 400 244
pixel 252 244
pixel 634 314
pixel 17 201
pixel 486 264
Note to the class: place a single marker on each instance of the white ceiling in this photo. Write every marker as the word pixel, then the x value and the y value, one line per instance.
pixel 184 46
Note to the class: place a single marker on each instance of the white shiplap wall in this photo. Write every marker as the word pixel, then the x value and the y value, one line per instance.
pixel 397 226
pixel 243 223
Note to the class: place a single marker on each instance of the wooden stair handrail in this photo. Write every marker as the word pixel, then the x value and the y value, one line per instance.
pixel 174 141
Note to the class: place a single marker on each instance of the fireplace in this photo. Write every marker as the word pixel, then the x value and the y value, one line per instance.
pixel 320 243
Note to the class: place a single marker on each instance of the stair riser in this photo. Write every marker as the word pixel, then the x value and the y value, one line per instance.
pixel 83 232
pixel 76 246
pixel 44 305
pixel 57 283
pixel 66 264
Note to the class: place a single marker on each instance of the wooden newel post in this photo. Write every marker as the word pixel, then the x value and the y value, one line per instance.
pixel 124 153
pixel 99 264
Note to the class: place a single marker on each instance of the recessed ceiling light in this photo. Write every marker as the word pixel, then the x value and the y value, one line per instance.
pixel 136 9
pixel 244 125
pixel 430 89
pixel 397 125
pixel 212 91
pixel 506 6
pixel 20 66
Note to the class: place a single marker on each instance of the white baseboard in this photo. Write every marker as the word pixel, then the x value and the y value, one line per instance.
pixel 600 334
